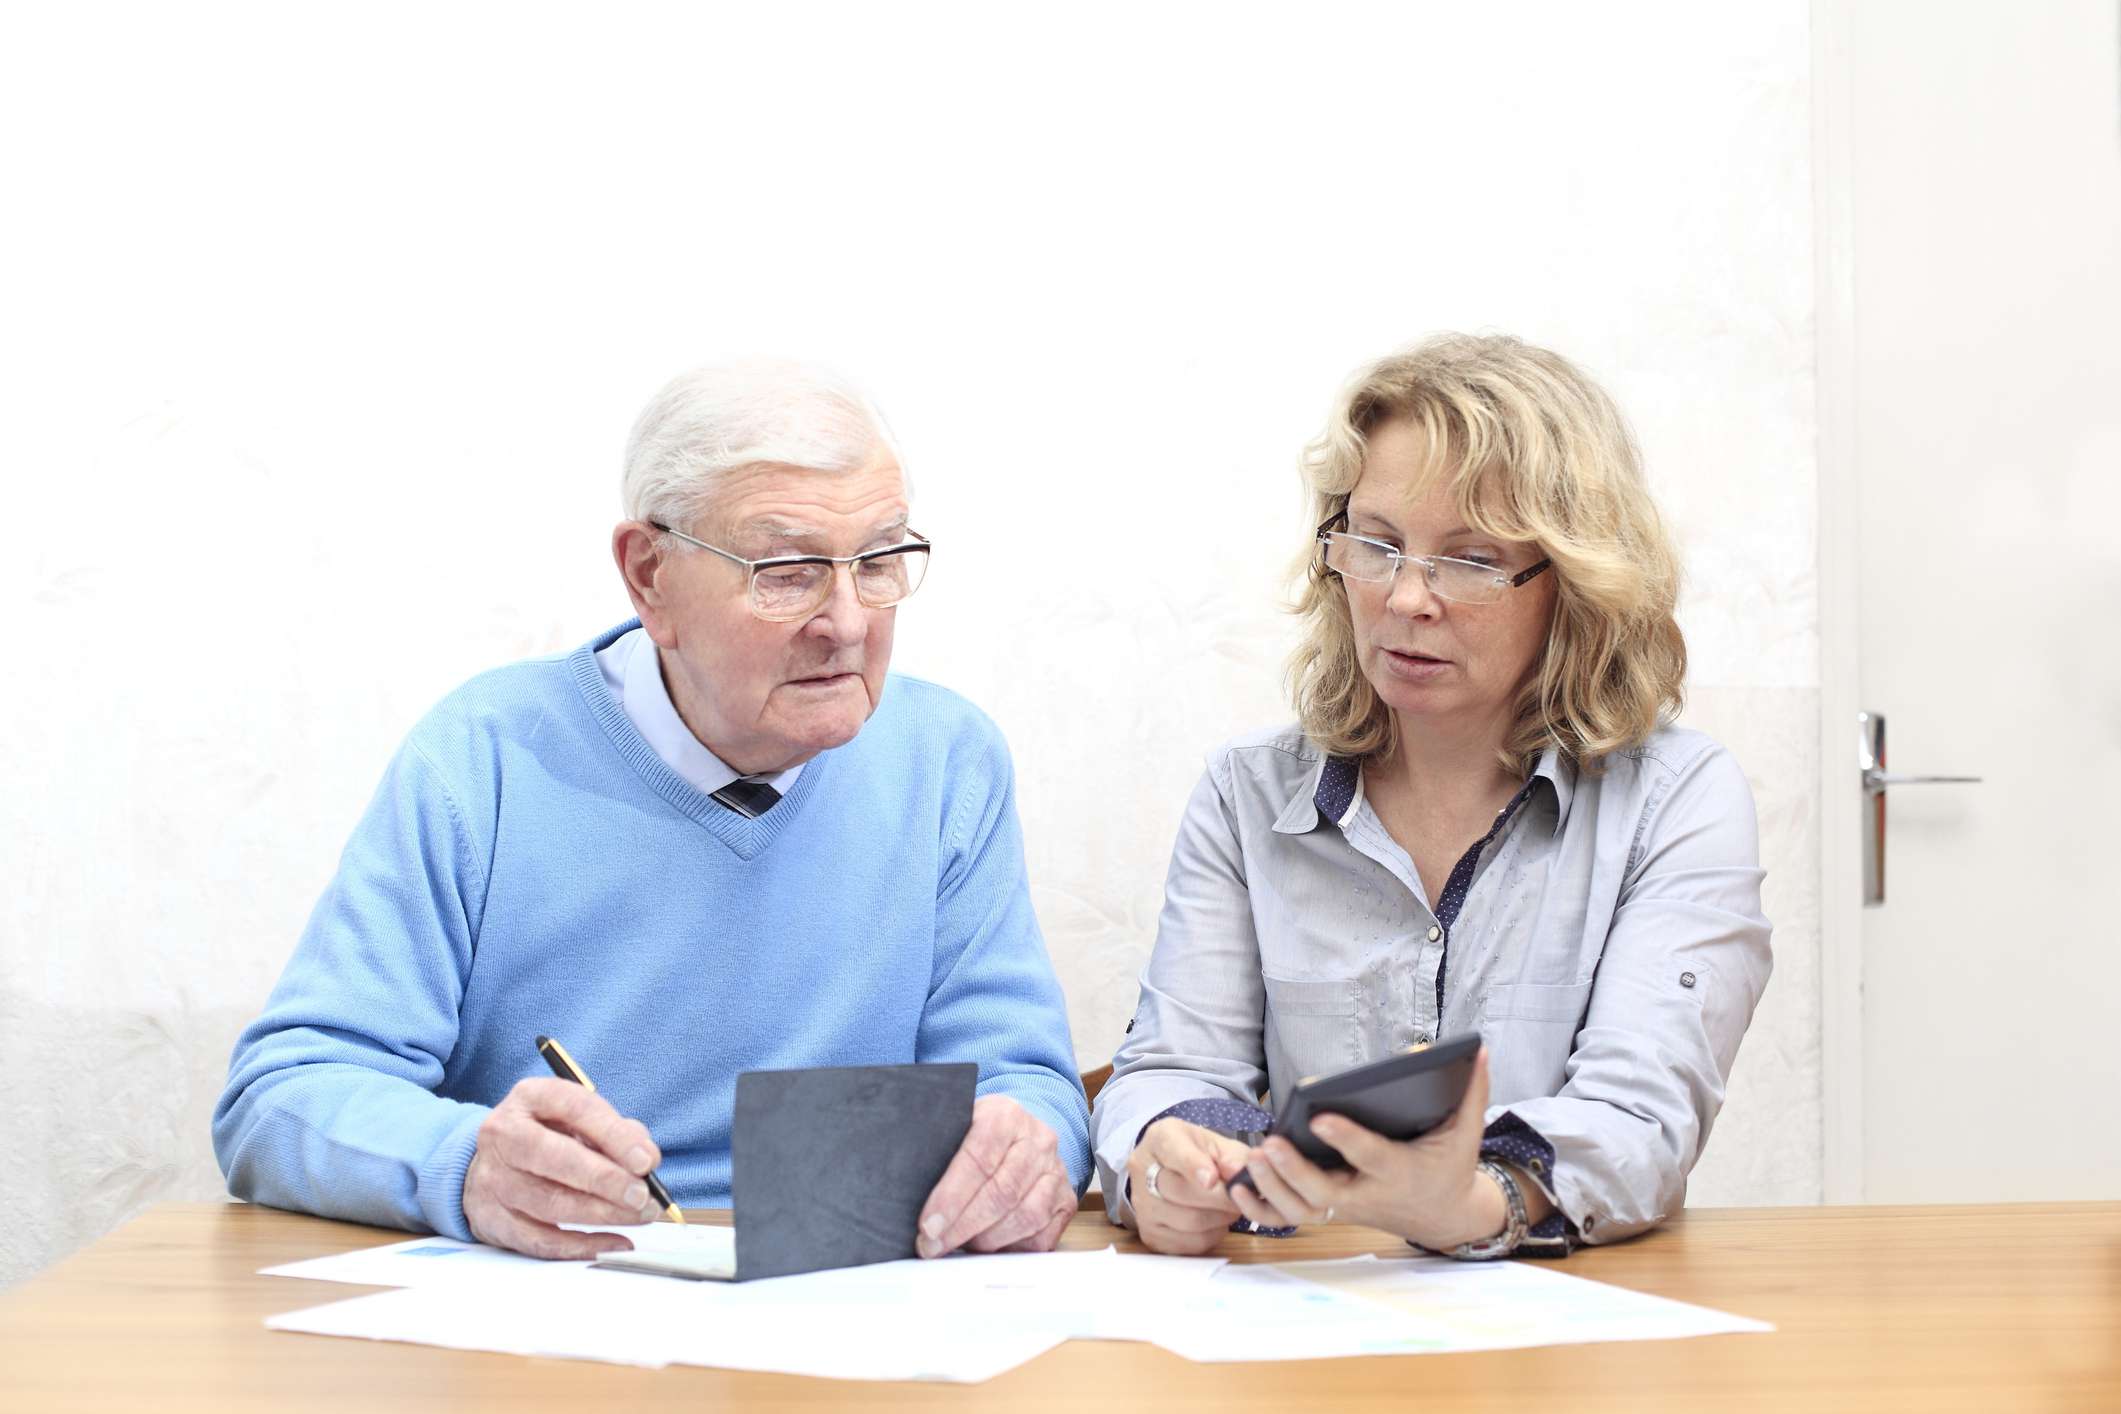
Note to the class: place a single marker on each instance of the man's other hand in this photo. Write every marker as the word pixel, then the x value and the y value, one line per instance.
pixel 1005 1191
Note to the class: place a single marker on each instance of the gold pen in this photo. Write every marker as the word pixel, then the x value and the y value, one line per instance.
pixel 563 1066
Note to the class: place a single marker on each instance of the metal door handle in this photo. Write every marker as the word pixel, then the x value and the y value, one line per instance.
pixel 1875 780
pixel 1870 761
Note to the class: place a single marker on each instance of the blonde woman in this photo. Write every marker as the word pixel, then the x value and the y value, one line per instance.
pixel 1482 821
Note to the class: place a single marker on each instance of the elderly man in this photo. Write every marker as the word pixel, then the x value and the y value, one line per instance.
pixel 713 840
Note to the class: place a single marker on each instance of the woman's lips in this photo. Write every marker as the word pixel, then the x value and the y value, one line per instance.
pixel 1414 667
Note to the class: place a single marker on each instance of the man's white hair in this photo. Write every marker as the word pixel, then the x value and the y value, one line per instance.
pixel 749 412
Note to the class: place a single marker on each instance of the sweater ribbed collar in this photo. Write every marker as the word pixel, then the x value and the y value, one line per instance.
pixel 745 838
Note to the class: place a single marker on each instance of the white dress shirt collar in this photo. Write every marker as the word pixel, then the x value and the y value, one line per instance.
pixel 633 670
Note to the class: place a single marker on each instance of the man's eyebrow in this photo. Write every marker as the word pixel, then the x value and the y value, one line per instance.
pixel 895 526
pixel 772 530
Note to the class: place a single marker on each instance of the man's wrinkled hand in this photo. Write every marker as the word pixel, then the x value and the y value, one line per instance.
pixel 1006 1189
pixel 555 1152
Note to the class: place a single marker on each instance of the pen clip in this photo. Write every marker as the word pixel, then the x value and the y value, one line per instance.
pixel 563 1064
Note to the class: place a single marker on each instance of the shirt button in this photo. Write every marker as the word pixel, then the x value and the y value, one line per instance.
pixel 1686 979
pixel 1589 1222
pixel 1435 932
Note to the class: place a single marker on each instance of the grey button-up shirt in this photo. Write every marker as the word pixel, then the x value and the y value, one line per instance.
pixel 1610 950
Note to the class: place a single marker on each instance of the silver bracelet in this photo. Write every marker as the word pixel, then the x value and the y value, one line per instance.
pixel 1503 1243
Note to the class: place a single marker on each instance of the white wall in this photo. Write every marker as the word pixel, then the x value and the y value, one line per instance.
pixel 325 333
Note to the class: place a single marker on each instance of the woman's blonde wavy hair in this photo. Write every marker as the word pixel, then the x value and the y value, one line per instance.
pixel 1534 452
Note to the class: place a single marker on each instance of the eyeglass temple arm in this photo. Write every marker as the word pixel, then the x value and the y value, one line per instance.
pixel 703 545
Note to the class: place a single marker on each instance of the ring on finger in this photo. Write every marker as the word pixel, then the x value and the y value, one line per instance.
pixel 1329 1214
pixel 1156 1171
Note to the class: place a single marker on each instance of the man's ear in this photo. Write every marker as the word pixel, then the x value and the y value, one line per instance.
pixel 636 548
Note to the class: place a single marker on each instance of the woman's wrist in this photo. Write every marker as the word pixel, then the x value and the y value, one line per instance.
pixel 1480 1212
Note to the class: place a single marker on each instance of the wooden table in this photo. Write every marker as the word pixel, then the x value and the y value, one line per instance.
pixel 1878 1308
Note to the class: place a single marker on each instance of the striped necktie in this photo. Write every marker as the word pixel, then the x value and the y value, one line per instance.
pixel 748 796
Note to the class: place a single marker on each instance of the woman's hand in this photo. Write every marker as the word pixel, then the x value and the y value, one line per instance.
pixel 1427 1190
pixel 1186 1209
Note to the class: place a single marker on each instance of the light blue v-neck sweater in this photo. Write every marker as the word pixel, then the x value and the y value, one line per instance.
pixel 529 865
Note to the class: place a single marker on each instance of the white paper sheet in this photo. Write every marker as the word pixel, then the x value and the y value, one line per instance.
pixel 1416 1305
pixel 1069 1295
pixel 420 1261
pixel 966 1319
pixel 654 1321
pixel 692 1251
pixel 426 1261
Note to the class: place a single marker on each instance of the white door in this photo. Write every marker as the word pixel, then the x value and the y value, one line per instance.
pixel 1970 207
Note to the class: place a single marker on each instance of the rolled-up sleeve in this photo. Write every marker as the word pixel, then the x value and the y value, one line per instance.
pixel 1684 964
pixel 1196 1032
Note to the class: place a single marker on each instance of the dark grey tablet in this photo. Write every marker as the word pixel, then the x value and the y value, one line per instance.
pixel 1403 1096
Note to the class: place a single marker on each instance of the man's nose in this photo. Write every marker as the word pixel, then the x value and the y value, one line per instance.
pixel 842 618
